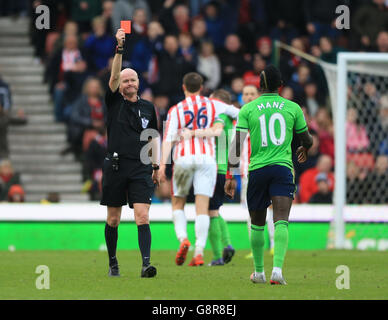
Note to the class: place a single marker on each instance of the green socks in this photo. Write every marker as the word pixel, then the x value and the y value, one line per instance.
pixel 281 243
pixel 257 245
pixel 215 237
pixel 225 236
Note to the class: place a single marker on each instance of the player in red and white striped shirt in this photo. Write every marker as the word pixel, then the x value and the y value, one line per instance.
pixel 194 161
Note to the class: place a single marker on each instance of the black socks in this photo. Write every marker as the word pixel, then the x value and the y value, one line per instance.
pixel 144 237
pixel 111 236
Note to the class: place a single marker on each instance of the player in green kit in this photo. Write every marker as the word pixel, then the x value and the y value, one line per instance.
pixel 219 237
pixel 270 121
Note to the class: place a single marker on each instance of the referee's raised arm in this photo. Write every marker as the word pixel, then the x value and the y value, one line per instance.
pixel 114 80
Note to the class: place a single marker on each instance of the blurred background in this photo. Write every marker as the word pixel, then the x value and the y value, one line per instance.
pixel 52 84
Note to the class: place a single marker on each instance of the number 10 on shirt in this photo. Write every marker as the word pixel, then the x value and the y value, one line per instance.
pixel 277 141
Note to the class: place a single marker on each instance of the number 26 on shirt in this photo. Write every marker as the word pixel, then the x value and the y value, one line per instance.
pixel 201 118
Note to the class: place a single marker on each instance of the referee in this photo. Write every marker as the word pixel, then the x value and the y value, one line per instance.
pixel 127 178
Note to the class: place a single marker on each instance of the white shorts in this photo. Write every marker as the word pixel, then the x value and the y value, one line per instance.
pixel 199 171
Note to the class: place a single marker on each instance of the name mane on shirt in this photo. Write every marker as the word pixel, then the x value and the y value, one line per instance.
pixel 275 104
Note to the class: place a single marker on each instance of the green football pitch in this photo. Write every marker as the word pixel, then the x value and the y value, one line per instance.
pixel 83 275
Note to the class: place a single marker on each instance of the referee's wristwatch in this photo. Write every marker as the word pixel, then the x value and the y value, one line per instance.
pixel 119 50
pixel 155 167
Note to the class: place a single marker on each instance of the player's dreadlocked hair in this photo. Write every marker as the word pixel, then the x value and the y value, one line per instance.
pixel 270 79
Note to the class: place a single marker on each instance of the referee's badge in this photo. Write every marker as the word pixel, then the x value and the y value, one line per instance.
pixel 144 122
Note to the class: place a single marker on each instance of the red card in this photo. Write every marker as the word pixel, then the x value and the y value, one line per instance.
pixel 126 25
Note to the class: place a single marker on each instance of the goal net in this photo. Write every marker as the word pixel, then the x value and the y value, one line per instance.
pixel 358 99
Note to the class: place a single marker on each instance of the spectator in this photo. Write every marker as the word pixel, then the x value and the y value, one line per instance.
pixel 252 77
pixel 14 8
pixel 95 155
pixel 83 12
pixel 5 120
pixel 196 6
pixel 252 21
pixel 368 21
pixel 323 195
pixel 356 136
pixel 215 23
pixel 187 49
pixel 104 75
pixel 99 46
pixel 323 125
pixel 236 89
pixel 175 18
pixel 124 10
pixel 264 48
pixel 313 100
pixel 162 104
pixel 377 182
pixel 328 51
pixel 172 67
pixel 16 193
pixel 107 13
pixel 286 18
pixel 355 184
pixel 308 184
pixel 65 73
pixel 312 159
pixel 365 90
pixel 209 66
pixel 320 18
pixel 88 113
pixel 382 42
pixel 299 79
pixel 199 32
pixel 52 197
pixel 138 33
pixel 39 36
pixel 8 178
pixel 5 96
pixel 70 28
pixel 232 60
pixel 139 22
pixel 382 126
pixel 290 62
pixel 144 54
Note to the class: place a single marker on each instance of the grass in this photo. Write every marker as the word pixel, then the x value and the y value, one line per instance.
pixel 83 275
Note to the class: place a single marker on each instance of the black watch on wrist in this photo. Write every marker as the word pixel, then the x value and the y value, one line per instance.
pixel 119 50
pixel 155 167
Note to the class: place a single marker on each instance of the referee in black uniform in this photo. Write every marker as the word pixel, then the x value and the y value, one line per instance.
pixel 127 177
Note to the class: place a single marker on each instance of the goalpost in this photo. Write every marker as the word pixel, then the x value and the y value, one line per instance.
pixel 358 83
pixel 348 64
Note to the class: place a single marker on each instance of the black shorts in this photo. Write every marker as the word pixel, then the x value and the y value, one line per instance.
pixel 217 200
pixel 132 183
pixel 267 182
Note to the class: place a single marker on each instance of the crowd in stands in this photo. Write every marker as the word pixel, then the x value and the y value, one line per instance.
pixel 228 42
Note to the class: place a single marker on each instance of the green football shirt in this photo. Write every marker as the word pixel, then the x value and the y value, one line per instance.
pixel 271 120
pixel 223 142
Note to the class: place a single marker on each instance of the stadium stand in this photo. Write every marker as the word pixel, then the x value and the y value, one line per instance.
pixel 246 44
pixel 35 147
